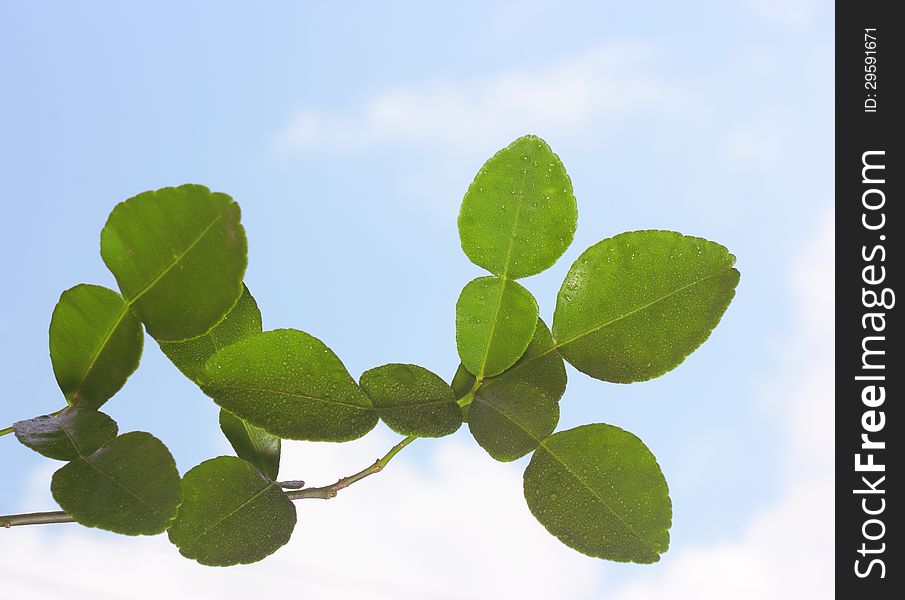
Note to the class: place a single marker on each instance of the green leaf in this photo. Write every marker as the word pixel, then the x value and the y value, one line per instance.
pixel 412 401
pixel 72 433
pixel 95 344
pixel 462 384
pixel 292 385
pixel 231 514
pixel 190 356
pixel 519 214
pixel 511 413
pixel 252 443
pixel 178 255
pixel 130 486
pixel 632 307
pixel 495 321
pixel 600 491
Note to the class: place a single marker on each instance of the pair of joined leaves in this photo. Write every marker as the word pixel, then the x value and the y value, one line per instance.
pixel 631 308
pixel 124 483
pixel 290 384
pixel 178 255
pixel 180 281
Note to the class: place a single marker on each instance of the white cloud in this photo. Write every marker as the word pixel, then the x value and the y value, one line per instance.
pixel 606 83
pixel 787 551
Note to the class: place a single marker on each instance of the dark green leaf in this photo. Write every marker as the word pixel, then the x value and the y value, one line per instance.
pixel 600 491
pixel 289 383
pixel 634 306
pixel 95 344
pixel 519 214
pixel 462 382
pixel 178 255
pixel 512 412
pixel 495 321
pixel 252 443
pixel 231 514
pixel 189 356
pixel 72 433
pixel 130 485
pixel 412 401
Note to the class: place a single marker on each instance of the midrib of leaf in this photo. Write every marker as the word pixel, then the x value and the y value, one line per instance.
pixel 78 450
pixel 594 493
pixel 174 262
pixel 518 214
pixel 493 322
pixel 290 394
pixel 504 276
pixel 133 300
pixel 596 328
pixel 245 503
pixel 118 483
pixel 97 353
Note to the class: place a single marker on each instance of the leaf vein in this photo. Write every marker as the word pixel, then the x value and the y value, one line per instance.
pixel 597 328
pixel 594 493
pixel 175 261
pixel 97 353
pixel 245 503
pixel 120 484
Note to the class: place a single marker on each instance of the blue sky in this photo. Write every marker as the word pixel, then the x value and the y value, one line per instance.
pixel 348 134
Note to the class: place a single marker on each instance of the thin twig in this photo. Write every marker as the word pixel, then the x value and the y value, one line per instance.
pixel 38 518
pixel 330 491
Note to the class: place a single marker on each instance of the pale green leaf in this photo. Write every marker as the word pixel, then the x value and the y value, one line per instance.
pixel 231 514
pixel 519 214
pixel 130 486
pixel 412 400
pixel 252 443
pixel 190 355
pixel 71 433
pixel 512 412
pixel 290 384
pixel 95 344
pixel 632 307
pixel 495 321
pixel 178 255
pixel 600 491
